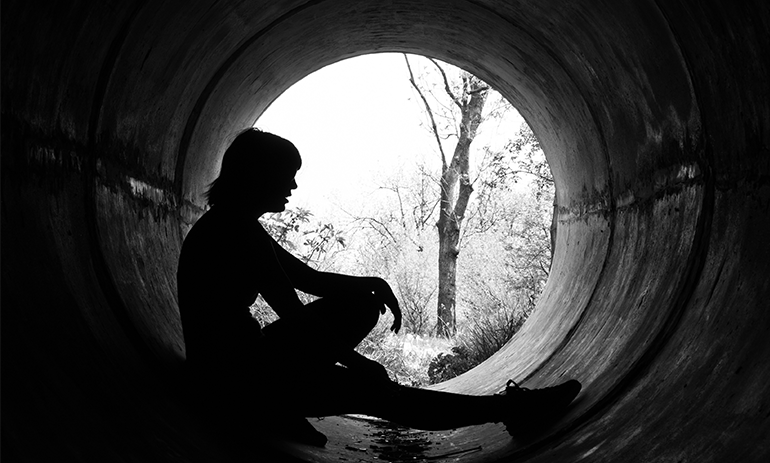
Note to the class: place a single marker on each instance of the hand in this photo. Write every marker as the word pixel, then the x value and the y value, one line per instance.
pixel 381 289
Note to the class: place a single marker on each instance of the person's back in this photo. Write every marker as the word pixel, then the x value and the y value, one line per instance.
pixel 218 278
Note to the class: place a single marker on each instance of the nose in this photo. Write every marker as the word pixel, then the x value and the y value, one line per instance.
pixel 293 185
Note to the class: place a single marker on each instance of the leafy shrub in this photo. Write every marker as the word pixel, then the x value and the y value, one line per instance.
pixel 262 312
pixel 415 292
pixel 405 356
pixel 448 365
pixel 489 332
pixel 483 335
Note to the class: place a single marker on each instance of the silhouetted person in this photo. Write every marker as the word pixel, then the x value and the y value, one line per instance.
pixel 304 364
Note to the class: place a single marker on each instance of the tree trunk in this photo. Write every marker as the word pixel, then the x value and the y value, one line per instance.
pixel 456 190
pixel 449 238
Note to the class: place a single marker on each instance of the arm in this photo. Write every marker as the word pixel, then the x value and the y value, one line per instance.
pixel 276 287
pixel 311 281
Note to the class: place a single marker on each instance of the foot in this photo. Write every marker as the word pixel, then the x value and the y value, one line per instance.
pixel 534 409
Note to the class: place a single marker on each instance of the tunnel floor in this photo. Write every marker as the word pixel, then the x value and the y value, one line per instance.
pixel 358 438
pixel 354 438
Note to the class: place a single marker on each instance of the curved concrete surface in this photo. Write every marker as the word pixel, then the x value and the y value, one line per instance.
pixel 654 117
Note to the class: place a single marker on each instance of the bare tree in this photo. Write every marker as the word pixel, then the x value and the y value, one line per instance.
pixel 455 185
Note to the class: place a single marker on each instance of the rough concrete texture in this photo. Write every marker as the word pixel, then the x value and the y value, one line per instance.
pixel 653 115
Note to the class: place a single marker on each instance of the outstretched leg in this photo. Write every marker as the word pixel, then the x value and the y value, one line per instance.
pixel 304 351
pixel 337 390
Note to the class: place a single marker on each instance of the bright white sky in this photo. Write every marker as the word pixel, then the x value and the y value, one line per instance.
pixel 355 123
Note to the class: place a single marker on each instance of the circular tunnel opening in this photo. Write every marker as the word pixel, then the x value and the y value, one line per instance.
pixel 648 115
pixel 533 76
pixel 369 198
pixel 524 70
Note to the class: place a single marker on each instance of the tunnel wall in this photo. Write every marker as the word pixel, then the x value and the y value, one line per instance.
pixel 654 118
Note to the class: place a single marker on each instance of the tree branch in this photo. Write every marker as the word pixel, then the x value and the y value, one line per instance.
pixel 446 84
pixel 430 113
pixel 397 190
pixel 382 228
pixel 477 90
pixel 541 177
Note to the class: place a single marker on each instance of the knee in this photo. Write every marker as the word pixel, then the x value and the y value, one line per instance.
pixel 368 310
pixel 359 312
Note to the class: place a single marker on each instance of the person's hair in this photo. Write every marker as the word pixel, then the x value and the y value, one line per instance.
pixel 253 156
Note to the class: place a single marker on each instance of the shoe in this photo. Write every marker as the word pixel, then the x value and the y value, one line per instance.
pixel 534 409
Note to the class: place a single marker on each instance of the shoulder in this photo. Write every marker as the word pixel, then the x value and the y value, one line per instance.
pixel 218 235
pixel 222 226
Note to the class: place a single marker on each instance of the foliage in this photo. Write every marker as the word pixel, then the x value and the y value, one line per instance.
pixel 403 262
pixel 394 243
pixel 481 337
pixel 448 365
pixel 493 324
pixel 528 159
pixel 497 317
pixel 415 291
pixel 404 356
pixel 262 312
pixel 313 242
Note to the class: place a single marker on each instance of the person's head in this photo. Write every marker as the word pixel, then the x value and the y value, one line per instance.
pixel 257 171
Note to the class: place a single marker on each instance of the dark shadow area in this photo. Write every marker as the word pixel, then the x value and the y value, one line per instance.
pixel 654 120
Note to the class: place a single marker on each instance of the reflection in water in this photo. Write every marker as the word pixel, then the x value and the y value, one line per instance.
pixel 398 444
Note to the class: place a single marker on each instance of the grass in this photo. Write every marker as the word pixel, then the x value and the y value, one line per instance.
pixel 405 356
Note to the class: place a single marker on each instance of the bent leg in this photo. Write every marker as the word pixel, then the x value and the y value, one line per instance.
pixel 324 332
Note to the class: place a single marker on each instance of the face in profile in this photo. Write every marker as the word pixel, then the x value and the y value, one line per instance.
pixel 274 191
pixel 257 173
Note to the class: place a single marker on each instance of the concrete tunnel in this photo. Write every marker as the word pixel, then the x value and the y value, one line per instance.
pixel 654 117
